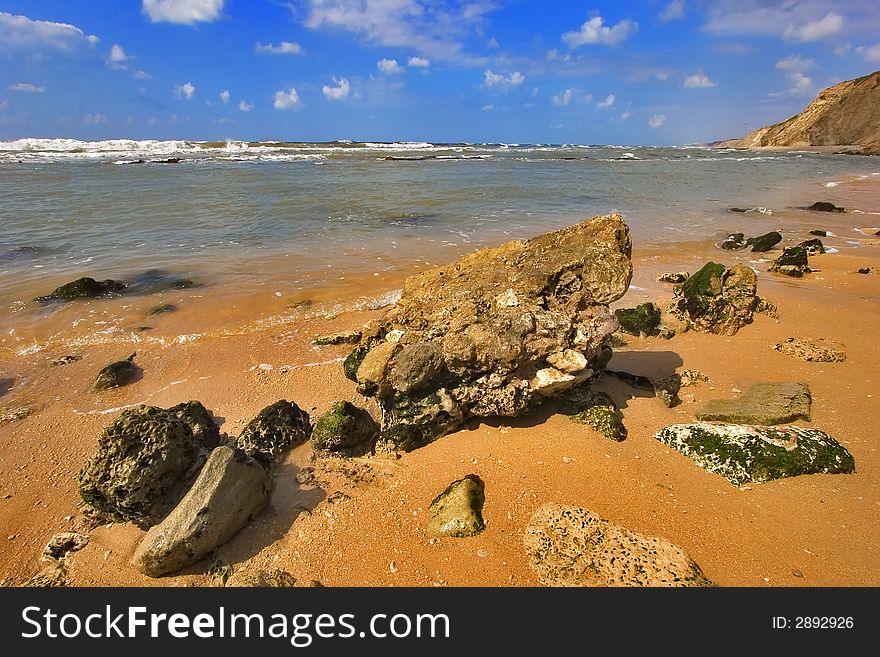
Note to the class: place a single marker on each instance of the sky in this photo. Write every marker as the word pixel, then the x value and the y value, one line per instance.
pixel 656 72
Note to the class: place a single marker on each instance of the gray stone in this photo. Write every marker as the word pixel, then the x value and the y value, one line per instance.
pixel 570 546
pixel 763 403
pixel 230 490
pixel 344 427
pixel 117 374
pixel 813 350
pixel 274 431
pixel 146 460
pixel 744 453
pixel 458 510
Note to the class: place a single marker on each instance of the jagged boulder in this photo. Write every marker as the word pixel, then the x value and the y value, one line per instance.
pixel 717 299
pixel 275 430
pixel 496 333
pixel 744 453
pixel 570 546
pixel 146 460
pixel 793 262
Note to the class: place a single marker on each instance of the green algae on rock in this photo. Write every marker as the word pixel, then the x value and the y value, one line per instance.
pixel 571 546
pixel 117 374
pixel 763 403
pixel 744 454
pixel 344 427
pixel 84 288
pixel 599 412
pixel 145 462
pixel 343 337
pixel 276 429
pixel 643 320
pixel 717 299
pixel 458 510
pixel 13 413
pixel 793 262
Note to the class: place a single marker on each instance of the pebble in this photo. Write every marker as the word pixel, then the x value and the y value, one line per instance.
pixel 482 553
pixel 392 566
pixel 797 573
pixel 12 537
pixel 565 459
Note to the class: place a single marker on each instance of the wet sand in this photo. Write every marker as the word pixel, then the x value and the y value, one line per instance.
pixel 823 527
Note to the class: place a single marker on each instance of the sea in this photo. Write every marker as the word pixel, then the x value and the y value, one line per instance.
pixel 263 232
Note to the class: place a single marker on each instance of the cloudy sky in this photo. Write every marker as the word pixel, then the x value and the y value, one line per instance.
pixel 651 72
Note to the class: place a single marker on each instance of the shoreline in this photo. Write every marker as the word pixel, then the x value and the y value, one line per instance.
pixel 823 526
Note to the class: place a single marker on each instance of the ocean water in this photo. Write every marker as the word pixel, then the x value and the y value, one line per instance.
pixel 281 219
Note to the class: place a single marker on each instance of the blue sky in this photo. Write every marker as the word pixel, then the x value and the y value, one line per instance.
pixel 516 71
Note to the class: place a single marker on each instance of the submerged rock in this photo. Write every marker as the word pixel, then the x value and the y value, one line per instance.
pixel 477 338
pixel 813 247
pixel 763 403
pixel 343 337
pixel 84 288
pixel 345 427
pixel 717 299
pixel 734 242
pixel 262 579
pixel 570 546
pixel 818 232
pixel 66 360
pixel 275 430
pixel 818 350
pixel 162 308
pixel 793 262
pixel 643 320
pixel 117 374
pixel 458 510
pixel 825 206
pixel 599 412
pixel 230 491
pixel 764 242
pixel 146 460
pixel 743 453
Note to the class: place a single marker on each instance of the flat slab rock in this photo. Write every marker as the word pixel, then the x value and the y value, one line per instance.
pixel 744 453
pixel 763 403
pixel 570 546
pixel 813 350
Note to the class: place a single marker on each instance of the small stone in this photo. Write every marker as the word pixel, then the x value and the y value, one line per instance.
pixel 275 430
pixel 117 374
pixel 816 350
pixel 676 278
pixel 824 206
pixel 276 578
pixel 392 566
pixel 482 553
pixel 566 459
pixel 797 573
pixel 343 337
pixel 457 511
pixel 64 360
pixel 11 414
pixel 763 403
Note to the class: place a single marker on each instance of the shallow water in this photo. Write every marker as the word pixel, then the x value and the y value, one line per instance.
pixel 279 220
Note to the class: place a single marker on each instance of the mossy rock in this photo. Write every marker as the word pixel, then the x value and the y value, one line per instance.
pixel 598 411
pixel 117 374
pixel 84 288
pixel 145 462
pixel 705 283
pixel 644 319
pixel 793 262
pixel 344 427
pixel 744 453
pixel 764 242
pixel 458 510
pixel 275 430
pixel 813 247
pixel 353 362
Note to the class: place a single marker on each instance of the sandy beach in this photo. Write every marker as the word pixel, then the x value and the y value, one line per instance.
pixel 353 522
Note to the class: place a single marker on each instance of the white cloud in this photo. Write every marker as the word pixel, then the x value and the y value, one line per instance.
pixel 608 102
pixel 185 90
pixel 487 108
pixel 502 82
pixel 815 30
pixel 27 87
pixel 339 92
pixel 626 113
pixel 564 99
pixel 141 75
pixel 283 48
pixel 657 121
pixel 245 107
pixel 185 12
pixel 799 84
pixel 117 55
pixel 285 100
pixel 389 67
pixel 795 63
pixel 95 119
pixel 418 62
pixel 673 12
pixel 699 80
pixel 224 96
pixel 595 31
pixel 871 54
pixel 21 35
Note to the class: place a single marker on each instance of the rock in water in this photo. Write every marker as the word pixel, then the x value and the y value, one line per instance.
pixel 734 242
pixel 275 430
pixel 344 337
pixel 743 453
pixel 146 460
pixel 643 320
pixel 825 206
pixel 344 427
pixel 813 247
pixel 458 510
pixel 570 546
pixel 717 299
pixel 763 403
pixel 84 288
pixel 793 262
pixel 478 338
pixel 230 490
pixel 764 242
pixel 261 579
pixel 117 374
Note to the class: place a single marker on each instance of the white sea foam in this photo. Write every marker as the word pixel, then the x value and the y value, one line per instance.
pixel 832 183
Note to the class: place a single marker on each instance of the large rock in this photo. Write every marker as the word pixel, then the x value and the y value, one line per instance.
pixel 643 320
pixel 717 299
pixel 345 427
pixel 275 430
pixel 570 546
pixel 84 288
pixel 763 403
pixel 458 510
pixel 478 338
pixel 230 490
pixel 146 460
pixel 793 262
pixel 744 453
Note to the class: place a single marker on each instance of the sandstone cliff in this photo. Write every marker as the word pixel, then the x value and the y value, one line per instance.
pixel 847 114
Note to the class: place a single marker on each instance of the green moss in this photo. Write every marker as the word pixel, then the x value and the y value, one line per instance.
pixel 344 426
pixel 597 411
pixel 705 282
pixel 353 362
pixel 644 319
